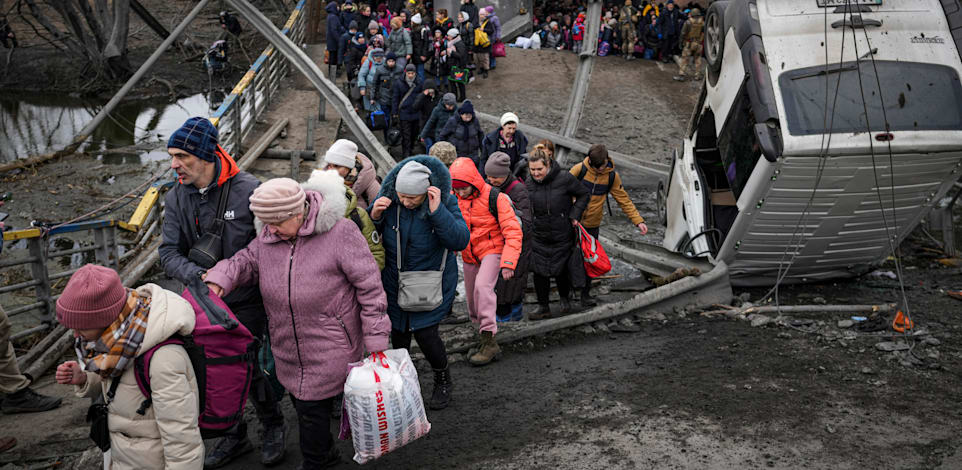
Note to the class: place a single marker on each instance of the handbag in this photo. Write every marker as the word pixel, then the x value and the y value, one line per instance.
pixel 97 417
pixel 418 291
pixel 209 249
pixel 459 75
pixel 499 50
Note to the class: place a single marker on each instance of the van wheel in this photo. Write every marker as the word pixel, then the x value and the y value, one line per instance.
pixel 662 203
pixel 715 39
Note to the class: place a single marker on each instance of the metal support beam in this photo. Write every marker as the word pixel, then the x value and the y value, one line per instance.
pixel 38 270
pixel 299 59
pixel 149 19
pixel 576 101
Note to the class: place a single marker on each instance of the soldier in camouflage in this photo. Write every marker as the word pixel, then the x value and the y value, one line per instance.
pixel 692 39
pixel 628 21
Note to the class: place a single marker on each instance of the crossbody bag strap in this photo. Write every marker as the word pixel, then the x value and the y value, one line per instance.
pixel 397 232
pixel 222 202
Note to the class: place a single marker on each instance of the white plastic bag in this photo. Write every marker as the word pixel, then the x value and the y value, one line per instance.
pixel 382 397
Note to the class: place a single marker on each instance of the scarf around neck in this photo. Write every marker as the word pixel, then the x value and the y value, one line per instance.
pixel 117 347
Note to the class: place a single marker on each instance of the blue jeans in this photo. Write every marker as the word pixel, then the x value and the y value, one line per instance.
pixel 420 69
pixel 428 143
pixel 494 62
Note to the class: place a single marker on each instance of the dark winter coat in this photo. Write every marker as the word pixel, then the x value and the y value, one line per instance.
pixel 465 136
pixel 353 58
pixel 383 85
pixel 188 214
pixel 425 104
pixel 670 22
pixel 342 44
pixel 439 117
pixel 421 45
pixel 553 211
pixel 512 291
pixel 424 237
pixel 334 28
pixel 649 35
pixel 492 143
pixel 406 110
pixel 472 10
pixel 460 55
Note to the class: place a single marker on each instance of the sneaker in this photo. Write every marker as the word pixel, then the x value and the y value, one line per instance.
pixel 226 450
pixel 273 445
pixel 28 401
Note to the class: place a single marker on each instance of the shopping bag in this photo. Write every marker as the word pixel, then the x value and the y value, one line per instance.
pixel 596 261
pixel 382 397
pixel 498 50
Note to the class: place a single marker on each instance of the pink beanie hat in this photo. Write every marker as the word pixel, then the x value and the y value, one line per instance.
pixel 277 200
pixel 93 298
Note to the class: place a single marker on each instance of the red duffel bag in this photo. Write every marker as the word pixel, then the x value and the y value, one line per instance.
pixel 596 261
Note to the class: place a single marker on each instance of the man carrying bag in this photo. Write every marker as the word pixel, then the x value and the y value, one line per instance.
pixel 208 219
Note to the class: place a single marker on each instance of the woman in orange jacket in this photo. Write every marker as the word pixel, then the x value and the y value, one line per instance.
pixel 493 250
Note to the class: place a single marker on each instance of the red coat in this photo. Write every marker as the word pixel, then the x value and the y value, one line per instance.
pixel 488 235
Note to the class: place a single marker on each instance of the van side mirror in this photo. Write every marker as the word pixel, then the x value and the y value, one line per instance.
pixel 769 141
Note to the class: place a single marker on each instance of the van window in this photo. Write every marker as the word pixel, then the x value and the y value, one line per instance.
pixel 917 97
pixel 738 144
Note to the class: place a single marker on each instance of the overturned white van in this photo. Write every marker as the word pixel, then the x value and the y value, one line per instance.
pixel 824 132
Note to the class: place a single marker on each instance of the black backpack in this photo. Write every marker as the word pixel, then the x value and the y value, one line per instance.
pixel 493 205
pixel 611 182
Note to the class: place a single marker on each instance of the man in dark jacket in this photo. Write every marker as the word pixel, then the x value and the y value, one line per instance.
pixel 406 92
pixel 670 21
pixel 425 103
pixel 204 172
pixel 440 115
pixel 335 29
pixel 421 36
pixel 471 9
pixel 464 132
pixel 508 139
pixel 511 291
pixel 344 42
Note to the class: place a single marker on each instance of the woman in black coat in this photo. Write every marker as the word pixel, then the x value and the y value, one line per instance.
pixel 464 134
pixel 551 190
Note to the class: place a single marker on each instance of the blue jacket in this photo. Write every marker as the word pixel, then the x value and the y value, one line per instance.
pixel 439 117
pixel 424 237
pixel 406 110
pixel 334 27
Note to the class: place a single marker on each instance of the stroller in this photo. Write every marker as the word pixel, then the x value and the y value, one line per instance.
pixel 216 58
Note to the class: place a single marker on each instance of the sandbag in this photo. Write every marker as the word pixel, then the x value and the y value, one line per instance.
pixel 382 398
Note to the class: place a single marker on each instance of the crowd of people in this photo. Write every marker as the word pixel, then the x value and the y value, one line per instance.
pixel 320 273
pixel 655 30
pixel 393 53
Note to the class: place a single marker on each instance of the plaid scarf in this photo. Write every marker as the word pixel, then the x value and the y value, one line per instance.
pixel 117 347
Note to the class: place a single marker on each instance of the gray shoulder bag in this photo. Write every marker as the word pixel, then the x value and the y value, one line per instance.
pixel 418 291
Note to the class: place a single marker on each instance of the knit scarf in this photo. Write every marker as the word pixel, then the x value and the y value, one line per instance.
pixel 117 347
pixel 451 44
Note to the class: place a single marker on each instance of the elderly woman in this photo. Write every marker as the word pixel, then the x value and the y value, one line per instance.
pixel 557 201
pixel 421 226
pixel 323 296
pixel 356 169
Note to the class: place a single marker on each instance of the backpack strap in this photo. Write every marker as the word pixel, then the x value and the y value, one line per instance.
pixel 611 183
pixel 142 372
pixel 493 203
pixel 511 186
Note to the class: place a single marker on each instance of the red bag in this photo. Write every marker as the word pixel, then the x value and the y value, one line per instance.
pixel 498 49
pixel 596 261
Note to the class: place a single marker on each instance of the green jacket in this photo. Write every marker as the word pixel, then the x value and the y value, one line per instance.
pixel 329 184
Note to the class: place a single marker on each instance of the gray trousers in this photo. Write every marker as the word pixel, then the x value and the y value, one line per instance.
pixel 11 380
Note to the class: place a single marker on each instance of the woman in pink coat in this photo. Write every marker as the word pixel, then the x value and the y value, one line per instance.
pixel 323 295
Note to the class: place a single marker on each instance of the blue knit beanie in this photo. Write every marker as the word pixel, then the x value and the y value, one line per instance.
pixel 198 137
pixel 466 108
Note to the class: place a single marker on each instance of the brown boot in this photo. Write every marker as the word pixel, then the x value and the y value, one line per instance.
pixel 489 351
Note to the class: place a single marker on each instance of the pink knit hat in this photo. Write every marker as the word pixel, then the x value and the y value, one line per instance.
pixel 277 200
pixel 93 298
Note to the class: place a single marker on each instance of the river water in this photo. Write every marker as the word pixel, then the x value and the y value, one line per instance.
pixel 37 124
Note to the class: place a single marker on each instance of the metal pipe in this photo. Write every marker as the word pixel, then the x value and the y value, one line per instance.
pixel 261 145
pixel 283 154
pixel 881 308
pixel 25 308
pixel 17 262
pixel 67 273
pixel 28 332
pixel 55 254
pixel 22 285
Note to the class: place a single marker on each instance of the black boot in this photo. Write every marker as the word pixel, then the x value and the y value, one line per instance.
pixel 230 447
pixel 26 400
pixel 543 313
pixel 484 74
pixel 587 301
pixel 273 444
pixel 442 389
pixel 565 306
